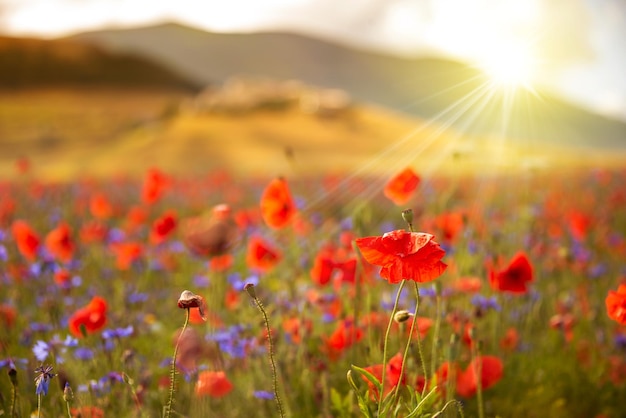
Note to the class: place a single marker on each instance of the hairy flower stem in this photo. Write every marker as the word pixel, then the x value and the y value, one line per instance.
pixel 12 375
pixel 270 343
pixel 39 406
pixel 168 408
pixel 386 343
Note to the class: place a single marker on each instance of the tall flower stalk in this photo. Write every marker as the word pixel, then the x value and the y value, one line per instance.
pixel 187 300
pixel 249 288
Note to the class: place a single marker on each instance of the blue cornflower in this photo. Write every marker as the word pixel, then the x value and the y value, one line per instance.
pixel 83 353
pixel 42 379
pixel 263 394
pixel 92 386
pixel 117 332
pixel 137 297
pixel 238 284
pixel 41 349
pixel 486 303
pixel 3 253
pixel 112 377
pixel 620 341
pixel 201 281
pixel 10 363
pixel 116 235
pixel 40 327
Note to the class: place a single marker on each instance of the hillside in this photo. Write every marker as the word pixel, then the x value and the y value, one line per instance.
pixel 426 87
pixel 26 62
pixel 78 133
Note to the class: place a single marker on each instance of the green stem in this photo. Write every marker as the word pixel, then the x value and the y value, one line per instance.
pixel 270 342
pixel 419 341
pixel 69 411
pixel 393 312
pixel 479 377
pixel 168 408
pixel 435 345
pixel 39 406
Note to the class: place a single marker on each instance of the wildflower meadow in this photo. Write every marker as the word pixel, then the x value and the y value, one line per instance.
pixel 411 295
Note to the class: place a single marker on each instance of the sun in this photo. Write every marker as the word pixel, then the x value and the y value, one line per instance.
pixel 510 66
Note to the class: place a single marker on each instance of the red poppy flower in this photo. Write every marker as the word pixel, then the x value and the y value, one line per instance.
pixel 261 255
pixel 616 304
pixel 62 278
pixel 7 315
pixel 100 206
pixel 296 328
pixel 92 317
pixel 126 253
pixel 510 340
pixel 422 326
pixel 404 255
pixel 93 231
pixel 401 187
pixel 7 208
pixel 163 227
pixel 491 369
pixel 87 412
pixel 467 284
pixel 154 186
pixel 323 266
pixel 221 262
pixel 579 224
pixel 515 277
pixel 60 244
pixel 213 383
pixel 26 239
pixel 136 217
pixel 450 224
pixel 343 337
pixel 277 205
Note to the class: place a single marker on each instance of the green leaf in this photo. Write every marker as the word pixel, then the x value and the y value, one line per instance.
pixel 370 377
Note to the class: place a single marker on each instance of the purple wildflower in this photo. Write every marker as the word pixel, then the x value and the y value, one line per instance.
pixel 42 379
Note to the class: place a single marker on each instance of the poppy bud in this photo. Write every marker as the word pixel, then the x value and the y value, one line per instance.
pixel 407 215
pixel 249 287
pixel 13 376
pixel 68 395
pixel 402 316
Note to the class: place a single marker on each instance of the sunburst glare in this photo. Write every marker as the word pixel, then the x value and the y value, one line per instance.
pixel 510 65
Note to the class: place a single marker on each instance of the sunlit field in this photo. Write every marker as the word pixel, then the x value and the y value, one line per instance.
pixel 516 325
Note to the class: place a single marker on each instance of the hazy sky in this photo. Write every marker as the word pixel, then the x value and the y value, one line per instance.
pixel 577 47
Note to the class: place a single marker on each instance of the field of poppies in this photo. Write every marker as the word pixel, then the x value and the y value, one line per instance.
pixel 340 296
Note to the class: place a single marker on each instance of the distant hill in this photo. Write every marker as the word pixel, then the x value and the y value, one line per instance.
pixel 427 87
pixel 28 62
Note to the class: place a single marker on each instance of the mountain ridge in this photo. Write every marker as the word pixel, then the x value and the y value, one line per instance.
pixel 434 88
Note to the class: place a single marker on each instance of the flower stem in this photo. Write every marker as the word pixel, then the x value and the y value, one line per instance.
pixel 419 340
pixel 479 377
pixel 270 343
pixel 39 405
pixel 168 408
pixel 393 312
